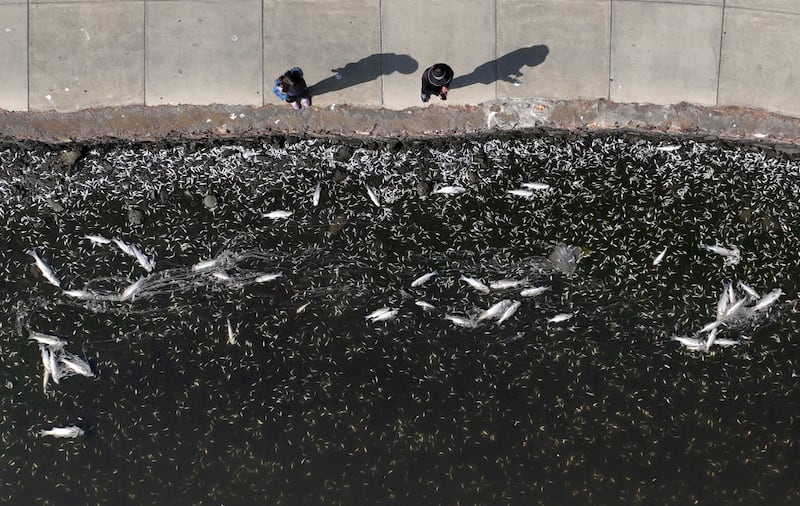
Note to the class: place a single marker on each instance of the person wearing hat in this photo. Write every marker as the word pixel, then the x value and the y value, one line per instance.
pixel 292 88
pixel 435 81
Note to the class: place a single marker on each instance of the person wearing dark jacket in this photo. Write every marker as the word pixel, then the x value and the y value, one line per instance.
pixel 435 81
pixel 291 88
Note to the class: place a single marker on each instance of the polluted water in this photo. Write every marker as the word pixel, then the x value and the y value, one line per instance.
pixel 550 318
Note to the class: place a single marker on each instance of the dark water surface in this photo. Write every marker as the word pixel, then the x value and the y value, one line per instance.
pixel 315 404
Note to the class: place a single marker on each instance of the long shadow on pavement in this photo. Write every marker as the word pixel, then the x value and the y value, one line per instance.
pixel 506 68
pixel 364 70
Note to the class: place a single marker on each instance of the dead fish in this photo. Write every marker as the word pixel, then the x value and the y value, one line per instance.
pixel 205 264
pixel 476 284
pixel 505 284
pixel 495 310
pixel 560 317
pixel 231 334
pixel 449 190
pixel 509 312
pixel 521 193
pixel 691 343
pixel 533 292
pixel 768 299
pixel 268 277
pixel 425 305
pixel 46 271
pixel 46 339
pixel 536 186
pixel 423 279
pixel 726 342
pixel 124 247
pixel 377 313
pixel 77 365
pixel 277 215
pixel 302 308
pixel 64 432
pixel 732 255
pixel 131 290
pixel 131 250
pixel 79 294
pixel 712 336
pixel 668 148
pixel 711 326
pixel 222 276
pixel 373 196
pixel 660 257
pixel 385 316
pixel 317 194
pixel 461 321
pixel 749 290
pixel 97 239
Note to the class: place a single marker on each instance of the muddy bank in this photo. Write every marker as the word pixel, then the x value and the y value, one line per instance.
pixel 501 116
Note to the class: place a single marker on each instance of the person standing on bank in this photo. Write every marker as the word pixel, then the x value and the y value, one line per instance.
pixel 435 81
pixel 291 88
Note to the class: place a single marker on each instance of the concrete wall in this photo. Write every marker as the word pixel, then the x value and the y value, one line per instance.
pixel 73 54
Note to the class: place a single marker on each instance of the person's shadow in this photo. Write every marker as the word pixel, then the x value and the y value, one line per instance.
pixel 364 70
pixel 506 68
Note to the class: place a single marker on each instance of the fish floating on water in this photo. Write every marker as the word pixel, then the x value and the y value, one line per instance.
pixel 533 292
pixel 277 215
pixel 560 317
pixel 317 194
pixel 732 255
pixel 449 190
pixel 71 431
pixel 373 196
pixel 660 257
pixel 476 284
pixel 45 269
pixel 423 279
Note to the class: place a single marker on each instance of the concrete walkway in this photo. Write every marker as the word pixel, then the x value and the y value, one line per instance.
pixel 73 54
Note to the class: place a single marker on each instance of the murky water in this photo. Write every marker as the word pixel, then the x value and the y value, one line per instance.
pixel 241 369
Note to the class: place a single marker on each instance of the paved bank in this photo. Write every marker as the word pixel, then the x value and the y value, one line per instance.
pixel 71 55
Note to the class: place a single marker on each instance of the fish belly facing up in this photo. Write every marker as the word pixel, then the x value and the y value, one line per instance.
pixel 63 432
pixel 533 292
pixel 495 310
pixel 768 299
pixel 268 277
pixel 423 279
pixel 560 317
pixel 45 269
pixel 461 321
pixel 476 284
pixel 77 365
pixel 509 312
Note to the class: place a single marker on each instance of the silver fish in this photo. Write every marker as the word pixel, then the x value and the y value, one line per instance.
pixel 749 290
pixel 231 334
pixel 726 342
pixel 449 190
pixel 268 277
pixel 277 215
pixel 711 326
pixel 495 310
pixel 77 365
pixel 46 271
pixel 423 279
pixel 660 257
pixel 668 148
pixel 47 339
pixel 712 336
pixel 509 312
pixel 425 305
pixel 533 292
pixel 65 432
pixel 302 308
pixel 124 247
pixel 317 194
pixel 560 317
pixel 131 290
pixel 79 294
pixel 692 343
pixel 97 239
pixel 205 264
pixel 536 186
pixel 768 299
pixel 386 315
pixel 373 196
pixel 377 313
pixel 521 193
pixel 476 284
pixel 505 284
pixel 732 255
pixel 461 321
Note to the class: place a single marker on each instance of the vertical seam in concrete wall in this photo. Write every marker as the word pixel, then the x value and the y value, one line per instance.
pixel 719 55
pixel 380 48
pixel 610 42
pixel 263 99
pixel 144 54
pixel 28 49
pixel 496 73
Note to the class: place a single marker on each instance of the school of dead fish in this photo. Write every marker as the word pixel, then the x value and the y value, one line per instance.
pixel 490 259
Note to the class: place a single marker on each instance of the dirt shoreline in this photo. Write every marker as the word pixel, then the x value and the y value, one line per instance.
pixel 164 123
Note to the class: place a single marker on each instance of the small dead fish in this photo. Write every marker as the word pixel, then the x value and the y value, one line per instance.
pixel 205 264
pixel 691 343
pixel 124 247
pixel 461 321
pixel 536 186
pixel 97 239
pixel 377 313
pixel 668 147
pixel 131 290
pixel 77 365
pixel 711 326
pixel 505 284
pixel 78 294
pixel 46 271
pixel 425 305
pixel 268 277
pixel 385 316
pixel 64 432
pixel 560 317
pixel 509 312
pixel 317 194
pixel 302 308
pixel 46 339
pixel 231 334
pixel 423 279
pixel 533 292
pixel 768 299
pixel 749 290
pixel 476 284
pixel 495 310
pixel 277 215
pixel 521 193
pixel 726 342
pixel 660 257
pixel 222 276
pixel 373 196
pixel 732 255
pixel 449 190
pixel 712 336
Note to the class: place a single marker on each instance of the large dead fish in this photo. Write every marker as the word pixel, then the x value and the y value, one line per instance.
pixel 45 269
